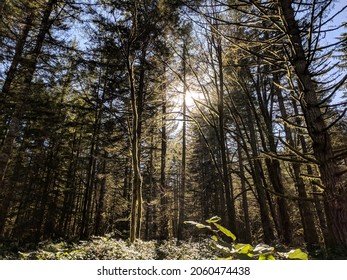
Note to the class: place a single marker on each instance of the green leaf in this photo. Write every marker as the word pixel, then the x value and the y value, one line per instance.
pixel 263 249
pixel 198 225
pixel 243 248
pixel 215 238
pixel 213 220
pixel 225 231
pixel 266 257
pixel 297 255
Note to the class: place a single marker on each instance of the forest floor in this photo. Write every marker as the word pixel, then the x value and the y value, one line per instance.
pixel 107 248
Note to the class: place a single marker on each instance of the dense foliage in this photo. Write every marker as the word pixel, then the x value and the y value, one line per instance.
pixel 105 248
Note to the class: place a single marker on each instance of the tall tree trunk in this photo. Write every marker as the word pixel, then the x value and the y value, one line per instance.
pixel 273 165
pixel 71 190
pixel 247 230
pixel 307 218
pixel 100 208
pixel 317 198
pixel 228 189
pixel 90 183
pixel 136 204
pixel 183 166
pixel 335 193
pixel 164 203
pixel 318 203
pixel 269 235
pixel 150 228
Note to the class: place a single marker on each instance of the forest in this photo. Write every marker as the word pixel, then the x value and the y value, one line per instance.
pixel 171 121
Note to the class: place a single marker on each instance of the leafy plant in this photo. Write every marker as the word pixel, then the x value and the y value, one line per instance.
pixel 233 250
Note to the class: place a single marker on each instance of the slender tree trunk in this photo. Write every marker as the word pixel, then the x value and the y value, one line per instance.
pixel 265 125
pixel 228 189
pixel 90 184
pixel 269 235
pixel 164 203
pixel 150 228
pixel 70 193
pixel 45 200
pixel 100 209
pixel 183 166
pixel 136 204
pixel 247 230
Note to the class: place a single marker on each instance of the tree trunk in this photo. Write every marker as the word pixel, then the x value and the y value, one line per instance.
pixel 100 209
pixel 228 189
pixel 335 193
pixel 307 218
pixel 90 182
pixel 269 235
pixel 247 238
pixel 164 203
pixel 183 166
pixel 136 109
pixel 137 178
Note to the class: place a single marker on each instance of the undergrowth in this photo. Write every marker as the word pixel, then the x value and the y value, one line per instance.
pixel 108 248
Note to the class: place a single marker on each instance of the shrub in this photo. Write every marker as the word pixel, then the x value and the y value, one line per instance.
pixel 233 250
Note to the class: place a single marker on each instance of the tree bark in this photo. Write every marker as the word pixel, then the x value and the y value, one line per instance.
pixel 136 203
pixel 247 230
pixel 136 98
pixel 335 193
pixel 164 220
pixel 182 191
pixel 273 166
pixel 307 218
pixel 100 209
pixel 269 235
pixel 228 189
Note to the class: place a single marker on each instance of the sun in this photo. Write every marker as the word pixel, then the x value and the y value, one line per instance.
pixel 191 98
pixel 194 95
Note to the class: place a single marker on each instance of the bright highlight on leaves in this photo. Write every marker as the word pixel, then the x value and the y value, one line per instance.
pixel 244 251
pixel 243 248
pixel 263 249
pixel 297 255
pixel 213 220
pixel 198 225
pixel 266 257
pixel 226 231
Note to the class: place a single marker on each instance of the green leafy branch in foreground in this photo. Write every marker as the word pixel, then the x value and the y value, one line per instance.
pixel 242 251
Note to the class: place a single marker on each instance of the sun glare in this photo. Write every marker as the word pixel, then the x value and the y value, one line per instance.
pixel 192 96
